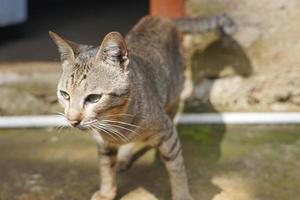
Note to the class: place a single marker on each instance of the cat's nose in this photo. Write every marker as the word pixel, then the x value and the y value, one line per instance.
pixel 75 123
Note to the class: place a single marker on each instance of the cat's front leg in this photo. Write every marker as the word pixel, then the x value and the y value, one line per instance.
pixel 107 163
pixel 171 153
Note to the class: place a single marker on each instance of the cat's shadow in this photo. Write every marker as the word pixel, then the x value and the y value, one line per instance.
pixel 224 57
pixel 201 152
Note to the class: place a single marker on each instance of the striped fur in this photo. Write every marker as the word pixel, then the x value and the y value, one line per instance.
pixel 128 90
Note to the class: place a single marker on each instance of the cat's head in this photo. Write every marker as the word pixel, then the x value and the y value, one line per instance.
pixel 95 80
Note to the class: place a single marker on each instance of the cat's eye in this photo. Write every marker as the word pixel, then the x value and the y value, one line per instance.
pixel 93 98
pixel 65 95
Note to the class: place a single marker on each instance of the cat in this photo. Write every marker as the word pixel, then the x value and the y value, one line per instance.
pixel 128 90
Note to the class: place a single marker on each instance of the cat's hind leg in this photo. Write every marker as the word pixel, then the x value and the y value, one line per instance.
pixel 127 155
pixel 171 153
pixel 124 158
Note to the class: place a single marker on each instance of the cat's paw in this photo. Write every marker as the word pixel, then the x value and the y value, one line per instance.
pixel 99 196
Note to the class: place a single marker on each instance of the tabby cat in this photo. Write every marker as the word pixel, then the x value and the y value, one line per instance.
pixel 128 90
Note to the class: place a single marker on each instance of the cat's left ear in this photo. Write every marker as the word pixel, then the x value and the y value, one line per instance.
pixel 113 50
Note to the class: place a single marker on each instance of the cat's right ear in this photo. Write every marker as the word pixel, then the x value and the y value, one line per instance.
pixel 66 48
pixel 113 50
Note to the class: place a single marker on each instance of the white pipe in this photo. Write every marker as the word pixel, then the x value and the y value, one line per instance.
pixel 38 121
pixel 200 118
pixel 241 118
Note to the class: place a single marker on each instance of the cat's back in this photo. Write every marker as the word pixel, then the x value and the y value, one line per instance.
pixel 150 30
pixel 155 40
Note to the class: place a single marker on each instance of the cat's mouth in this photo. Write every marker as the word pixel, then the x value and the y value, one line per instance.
pixel 82 125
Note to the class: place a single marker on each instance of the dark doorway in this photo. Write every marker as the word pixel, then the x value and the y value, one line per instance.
pixel 82 21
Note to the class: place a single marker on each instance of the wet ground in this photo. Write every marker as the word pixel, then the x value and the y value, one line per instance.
pixel 232 163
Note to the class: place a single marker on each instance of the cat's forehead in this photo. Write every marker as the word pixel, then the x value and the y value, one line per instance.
pixel 90 69
pixel 75 70
pixel 89 76
pixel 87 56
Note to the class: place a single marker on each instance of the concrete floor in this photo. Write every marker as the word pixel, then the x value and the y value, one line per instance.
pixel 224 163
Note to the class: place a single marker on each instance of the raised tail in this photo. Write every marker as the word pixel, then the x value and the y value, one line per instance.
pixel 223 23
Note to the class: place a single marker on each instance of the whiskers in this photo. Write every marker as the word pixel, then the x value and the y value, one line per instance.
pixel 98 127
pixel 120 115
pixel 60 127
pixel 60 114
pixel 114 128
pixel 117 130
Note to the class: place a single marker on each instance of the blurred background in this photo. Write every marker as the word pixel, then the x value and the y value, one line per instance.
pixel 252 71
pixel 255 70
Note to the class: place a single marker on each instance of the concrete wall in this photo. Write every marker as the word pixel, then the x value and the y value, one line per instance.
pixel 258 68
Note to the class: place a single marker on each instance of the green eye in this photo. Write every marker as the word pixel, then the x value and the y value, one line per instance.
pixel 65 95
pixel 93 98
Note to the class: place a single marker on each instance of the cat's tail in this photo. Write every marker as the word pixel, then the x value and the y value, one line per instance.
pixel 223 23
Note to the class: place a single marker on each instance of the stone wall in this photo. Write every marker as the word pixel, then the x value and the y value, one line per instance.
pixel 255 70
